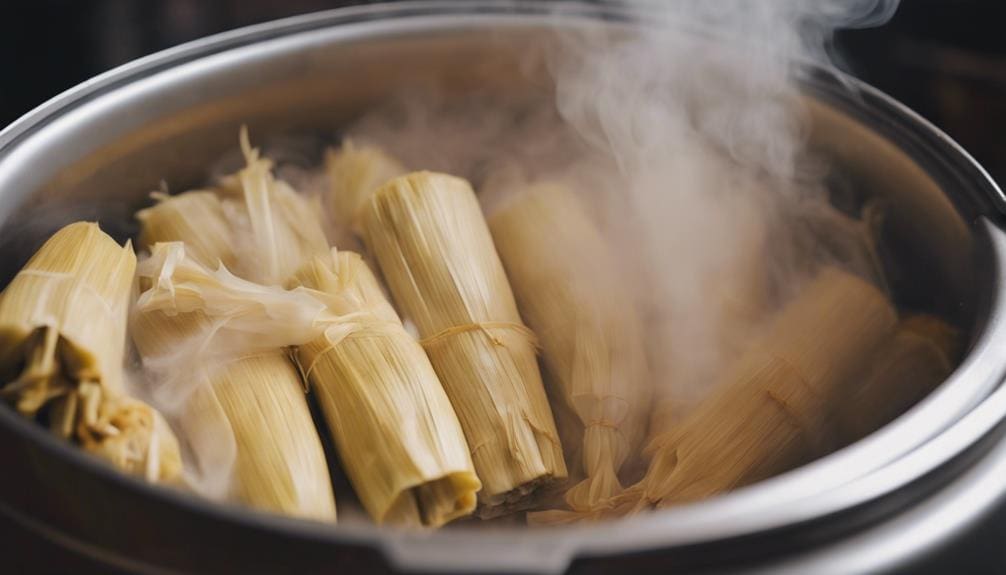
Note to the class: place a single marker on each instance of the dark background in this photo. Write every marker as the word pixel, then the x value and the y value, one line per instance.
pixel 944 58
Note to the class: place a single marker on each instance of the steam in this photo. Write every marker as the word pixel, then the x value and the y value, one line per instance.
pixel 689 142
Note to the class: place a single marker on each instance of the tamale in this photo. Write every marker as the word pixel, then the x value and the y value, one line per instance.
pixel 917 358
pixel 247 392
pixel 770 413
pixel 197 218
pixel 427 233
pixel 567 283
pixel 398 437
pixel 280 464
pixel 354 173
pixel 62 346
pixel 283 229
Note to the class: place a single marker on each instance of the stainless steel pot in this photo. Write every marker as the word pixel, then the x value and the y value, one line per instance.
pixel 888 502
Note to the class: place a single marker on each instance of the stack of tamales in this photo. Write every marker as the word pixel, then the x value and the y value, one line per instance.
pixel 62 346
pixel 770 411
pixel 429 236
pixel 256 401
pixel 571 292
pixel 397 435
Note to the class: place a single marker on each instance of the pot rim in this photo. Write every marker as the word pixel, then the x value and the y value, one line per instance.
pixel 884 462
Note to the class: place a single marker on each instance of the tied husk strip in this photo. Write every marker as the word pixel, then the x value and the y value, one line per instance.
pixel 919 356
pixel 398 437
pixel 567 284
pixel 63 335
pixel 428 234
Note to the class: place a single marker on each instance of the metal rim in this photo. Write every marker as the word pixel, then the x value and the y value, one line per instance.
pixel 746 511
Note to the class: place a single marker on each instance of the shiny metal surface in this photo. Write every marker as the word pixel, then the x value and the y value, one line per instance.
pixel 100 147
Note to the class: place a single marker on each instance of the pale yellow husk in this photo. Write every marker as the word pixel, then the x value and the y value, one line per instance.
pixel 429 236
pixel 227 326
pixel 63 336
pixel 354 173
pixel 257 399
pixel 570 290
pixel 280 464
pixel 770 411
pixel 398 437
pixel 918 357
pixel 198 218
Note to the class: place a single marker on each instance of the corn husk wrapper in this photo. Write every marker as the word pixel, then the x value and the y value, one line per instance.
pixel 772 410
pixel 354 173
pixel 241 404
pixel 918 357
pixel 567 284
pixel 398 437
pixel 198 218
pixel 279 462
pixel 428 234
pixel 63 336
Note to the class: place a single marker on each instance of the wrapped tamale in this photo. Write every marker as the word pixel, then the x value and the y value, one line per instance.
pixel 354 172
pixel 198 218
pixel 918 357
pixel 770 413
pixel 62 346
pixel 246 393
pixel 285 227
pixel 398 437
pixel 427 233
pixel 568 287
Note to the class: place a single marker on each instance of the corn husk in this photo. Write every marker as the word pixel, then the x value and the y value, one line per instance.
pixel 398 437
pixel 428 234
pixel 280 464
pixel 285 227
pixel 241 388
pixel 198 218
pixel 771 411
pixel 63 336
pixel 354 173
pixel 917 358
pixel 569 289
pixel 258 227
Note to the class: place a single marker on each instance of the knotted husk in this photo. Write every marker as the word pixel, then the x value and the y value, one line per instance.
pixel 569 290
pixel 62 346
pixel 429 236
pixel 398 437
